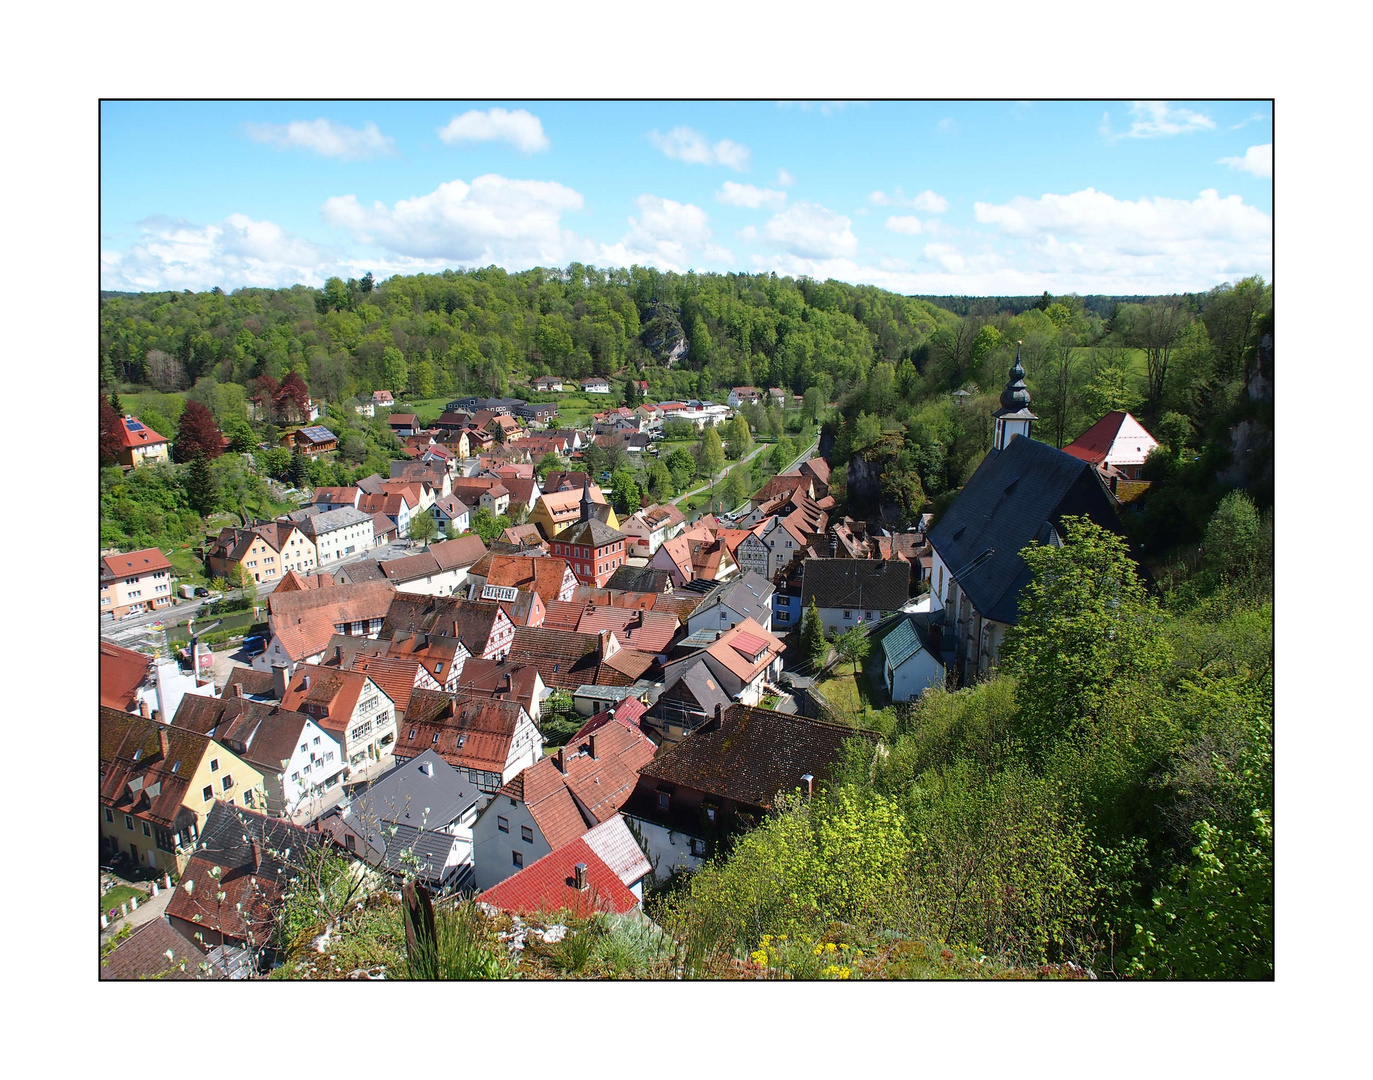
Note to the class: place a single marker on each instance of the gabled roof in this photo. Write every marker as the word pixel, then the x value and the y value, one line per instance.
pixel 330 697
pixel 1116 439
pixel 122 673
pixel 133 564
pixel 408 795
pixel 591 533
pixel 563 659
pixel 635 628
pixel 330 520
pixel 749 596
pixel 900 643
pixel 746 649
pixel 263 735
pixel 640 579
pixel 342 603
pixel 137 776
pixel 1017 495
pixel 626 711
pixel 253 873
pixel 870 584
pixel 316 435
pixel 461 551
pixel 143 955
pixel 410 567
pixel 396 675
pixel 544 575
pixel 137 434
pixel 752 755
pixel 549 885
pixel 468 730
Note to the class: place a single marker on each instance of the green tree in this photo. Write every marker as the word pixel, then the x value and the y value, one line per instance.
pixel 812 403
pixel 813 644
pixel 739 436
pixel 1109 391
pixel 1233 542
pixel 712 456
pixel 661 485
pixel 624 494
pixel 682 466
pixel 1086 623
pixel 736 487
pixel 550 462
pixel 395 372
pixel 275 462
pixel 299 469
pixel 202 492
pixel 901 484
pixel 488 526
pixel 853 645
pixel 778 458
pixel 423 527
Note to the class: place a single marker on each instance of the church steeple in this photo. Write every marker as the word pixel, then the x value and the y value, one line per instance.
pixel 1014 416
pixel 588 507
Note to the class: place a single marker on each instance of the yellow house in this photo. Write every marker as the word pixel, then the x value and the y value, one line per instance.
pixel 158 784
pixel 555 511
pixel 140 444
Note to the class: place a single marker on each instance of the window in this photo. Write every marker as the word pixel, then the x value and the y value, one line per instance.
pixel 867 615
pixel 698 847
pixel 214 765
pixel 526 834
pixel 207 793
pixel 248 797
pixel 228 781
pixel 513 802
pixel 128 822
pixel 109 815
pixel 517 859
pixel 304 747
pixel 295 776
pixel 146 831
pixel 503 824
pixel 316 742
pixel 664 800
pixel 848 614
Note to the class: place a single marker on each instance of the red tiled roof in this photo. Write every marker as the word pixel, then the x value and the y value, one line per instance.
pixel 138 434
pixel 134 563
pixel 468 730
pixel 549 885
pixel 122 672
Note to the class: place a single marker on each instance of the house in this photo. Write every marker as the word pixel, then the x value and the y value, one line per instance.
pixel 424 573
pixel 382 399
pixel 547 383
pixel 730 603
pixel 777 396
pixel 138 581
pixel 339 533
pixel 596 384
pixel 743 660
pixel 519 683
pixel 1117 441
pixel 398 506
pixel 854 592
pixel 404 423
pixel 727 777
pixel 551 578
pixel 481 626
pixel 332 498
pixel 558 799
pixel 156 950
pixel 566 659
pixel 347 704
pixel 640 579
pixel 416 821
pixel 644 631
pixel 593 549
pixel 297 758
pixel 365 408
pixel 744 395
pixel 140 444
pixel 132 681
pixel 312 441
pixel 687 701
pixel 491 738
pixel 651 526
pixel 688 558
pixel 452 511
pixel 263 552
pixel 235 884
pixel 601 871
pixel 650 417
pixel 908 667
pixel 555 510
pixel 302 622
pixel 525 537
pixel 157 786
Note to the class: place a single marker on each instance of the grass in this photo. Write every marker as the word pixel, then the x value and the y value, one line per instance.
pixel 118 895
pixel 849 697
pixel 1136 362
pixel 242 622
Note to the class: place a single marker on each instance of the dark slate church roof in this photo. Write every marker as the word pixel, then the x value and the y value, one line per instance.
pixel 1017 495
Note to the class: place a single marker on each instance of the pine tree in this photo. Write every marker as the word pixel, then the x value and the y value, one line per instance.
pixel 116 404
pixel 299 469
pixel 813 643
pixel 202 489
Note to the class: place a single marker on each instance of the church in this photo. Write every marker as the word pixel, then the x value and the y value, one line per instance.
pixel 1020 493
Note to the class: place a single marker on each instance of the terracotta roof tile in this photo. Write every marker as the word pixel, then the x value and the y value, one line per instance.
pixel 549 885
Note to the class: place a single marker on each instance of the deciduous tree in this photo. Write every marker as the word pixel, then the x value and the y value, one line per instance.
pixel 197 435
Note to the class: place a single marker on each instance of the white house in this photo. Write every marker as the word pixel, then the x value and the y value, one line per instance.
pixel 731 602
pixel 454 510
pixel 908 668
pixel 854 592
pixel 596 384
pixel 338 533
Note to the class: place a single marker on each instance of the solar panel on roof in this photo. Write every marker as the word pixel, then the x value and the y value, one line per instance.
pixel 134 425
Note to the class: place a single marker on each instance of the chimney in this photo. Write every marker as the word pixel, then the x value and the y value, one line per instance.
pixel 427 767
pixel 257 856
pixel 236 690
pixel 558 760
pixel 143 707
pixel 338 655
pixel 591 740
pixel 579 876
pixel 810 784
pixel 279 677
pixel 162 743
pixel 305 682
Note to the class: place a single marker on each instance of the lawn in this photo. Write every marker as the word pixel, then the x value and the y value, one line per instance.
pixel 850 698
pixel 118 895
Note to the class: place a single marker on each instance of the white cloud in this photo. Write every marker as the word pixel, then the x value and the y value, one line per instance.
pixel 750 196
pixel 1257 160
pixel 826 108
pixel 664 234
pixel 1150 244
pixel 175 254
pixel 520 128
pixel 685 144
pixel 909 225
pixel 808 230
pixel 1154 119
pixel 325 137
pixel 516 223
pixel 784 178
pixel 926 201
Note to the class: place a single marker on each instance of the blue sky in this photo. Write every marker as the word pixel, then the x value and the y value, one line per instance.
pixel 918 197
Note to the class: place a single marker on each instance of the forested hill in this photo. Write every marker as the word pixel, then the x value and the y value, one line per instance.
pixel 479 330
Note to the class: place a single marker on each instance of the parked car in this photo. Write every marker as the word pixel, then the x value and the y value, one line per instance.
pixel 202 591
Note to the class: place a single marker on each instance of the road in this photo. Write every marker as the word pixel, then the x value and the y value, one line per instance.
pixel 744 461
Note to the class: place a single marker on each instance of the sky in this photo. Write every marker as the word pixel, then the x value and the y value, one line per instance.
pixel 920 197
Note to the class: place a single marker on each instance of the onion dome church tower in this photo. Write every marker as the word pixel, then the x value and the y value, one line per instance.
pixel 1014 417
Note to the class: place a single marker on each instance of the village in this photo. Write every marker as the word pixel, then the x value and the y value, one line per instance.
pixel 583 707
